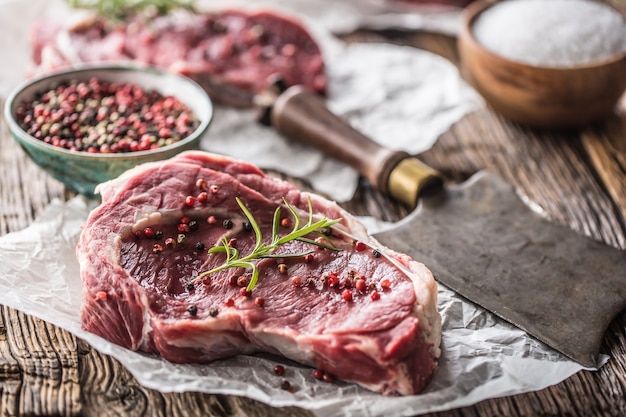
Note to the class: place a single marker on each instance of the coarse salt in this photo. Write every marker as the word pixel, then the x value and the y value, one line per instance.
pixel 555 33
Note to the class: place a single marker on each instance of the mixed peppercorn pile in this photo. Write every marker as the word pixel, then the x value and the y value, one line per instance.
pixel 105 117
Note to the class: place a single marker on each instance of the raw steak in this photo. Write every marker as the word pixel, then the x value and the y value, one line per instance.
pixel 236 48
pixel 140 291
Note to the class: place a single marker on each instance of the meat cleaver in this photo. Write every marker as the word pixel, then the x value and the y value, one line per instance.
pixel 478 238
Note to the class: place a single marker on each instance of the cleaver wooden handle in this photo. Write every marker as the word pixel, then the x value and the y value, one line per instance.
pixel 303 116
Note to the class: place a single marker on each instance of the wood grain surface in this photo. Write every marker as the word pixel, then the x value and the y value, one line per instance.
pixel 577 176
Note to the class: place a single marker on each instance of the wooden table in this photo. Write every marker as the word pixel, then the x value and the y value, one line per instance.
pixel 578 177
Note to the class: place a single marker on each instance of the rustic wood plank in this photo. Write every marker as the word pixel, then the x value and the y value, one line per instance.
pixel 607 151
pixel 48 363
pixel 578 179
pixel 110 390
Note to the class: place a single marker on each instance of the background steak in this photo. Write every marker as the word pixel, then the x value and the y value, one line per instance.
pixel 233 47
pixel 140 297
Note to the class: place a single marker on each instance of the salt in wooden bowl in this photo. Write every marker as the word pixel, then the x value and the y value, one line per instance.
pixel 537 95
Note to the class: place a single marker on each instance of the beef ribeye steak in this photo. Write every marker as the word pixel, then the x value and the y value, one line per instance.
pixel 237 48
pixel 349 307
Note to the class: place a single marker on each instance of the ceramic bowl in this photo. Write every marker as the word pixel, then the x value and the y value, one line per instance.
pixel 81 171
pixel 539 96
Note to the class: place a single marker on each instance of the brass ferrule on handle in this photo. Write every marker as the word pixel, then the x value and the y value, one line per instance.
pixel 303 116
pixel 410 178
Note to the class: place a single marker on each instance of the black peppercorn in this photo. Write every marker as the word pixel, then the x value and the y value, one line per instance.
pixel 228 224
pixel 193 310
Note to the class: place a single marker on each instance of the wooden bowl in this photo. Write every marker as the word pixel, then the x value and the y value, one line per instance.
pixel 540 96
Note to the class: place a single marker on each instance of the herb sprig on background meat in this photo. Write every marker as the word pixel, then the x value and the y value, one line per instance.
pixel 119 9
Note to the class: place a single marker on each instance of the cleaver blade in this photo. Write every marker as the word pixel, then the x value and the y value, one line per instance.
pixel 479 238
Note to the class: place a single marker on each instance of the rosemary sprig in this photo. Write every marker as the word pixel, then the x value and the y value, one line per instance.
pixel 118 9
pixel 266 250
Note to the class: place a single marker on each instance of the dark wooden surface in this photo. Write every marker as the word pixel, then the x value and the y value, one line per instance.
pixel 577 176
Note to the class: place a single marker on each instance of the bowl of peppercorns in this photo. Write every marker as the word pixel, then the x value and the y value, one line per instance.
pixel 89 124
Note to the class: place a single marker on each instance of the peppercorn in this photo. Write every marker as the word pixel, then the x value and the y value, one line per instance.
pixel 170 243
pixel 318 374
pixel 148 232
pixel 192 309
pixel 158 235
pixel 244 292
pixel 97 111
pixel 190 287
pixel 201 183
pixel 199 246
pixel 279 370
pixel 347 295
pixel 296 280
pixel 190 201
pixel 183 228
pixel 213 312
pixel 247 226
pixel 213 189
pixel 282 268
pixel 229 302
pixel 242 281
pixel 375 295
pixel 259 301
pixel 328 377
pixel 202 197
pixel 359 246
pixel 285 385
pixel 326 231
pixel 376 253
pixel 228 224
pixel 193 225
pixel 385 284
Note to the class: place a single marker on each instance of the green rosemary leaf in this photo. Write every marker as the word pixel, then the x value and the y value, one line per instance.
pixel 118 9
pixel 330 246
pixel 291 255
pixel 252 220
pixel 310 211
pixel 276 226
pixel 296 224
pixel 263 250
pixel 254 279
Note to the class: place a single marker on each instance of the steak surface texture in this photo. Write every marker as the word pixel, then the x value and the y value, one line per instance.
pixel 141 252
pixel 218 49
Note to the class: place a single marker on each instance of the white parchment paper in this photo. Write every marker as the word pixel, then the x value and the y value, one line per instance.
pixel 482 356
pixel 402 97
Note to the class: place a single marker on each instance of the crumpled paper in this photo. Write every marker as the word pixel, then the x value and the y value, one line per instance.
pixel 482 356
pixel 345 16
pixel 401 97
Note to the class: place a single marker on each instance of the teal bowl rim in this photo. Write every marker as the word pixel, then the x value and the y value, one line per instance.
pixel 15 128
